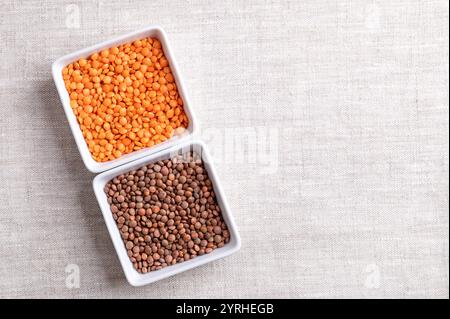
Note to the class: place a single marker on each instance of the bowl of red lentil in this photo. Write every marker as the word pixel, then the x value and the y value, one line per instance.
pixel 124 98
pixel 166 213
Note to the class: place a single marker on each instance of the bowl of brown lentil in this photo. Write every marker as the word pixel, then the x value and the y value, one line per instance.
pixel 124 98
pixel 166 213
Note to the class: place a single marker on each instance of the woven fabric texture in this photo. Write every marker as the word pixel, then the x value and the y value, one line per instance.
pixel 328 122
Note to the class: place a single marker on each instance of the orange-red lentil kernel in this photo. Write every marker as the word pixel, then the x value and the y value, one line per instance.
pixel 125 98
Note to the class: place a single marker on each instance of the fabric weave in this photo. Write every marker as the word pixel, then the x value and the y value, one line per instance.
pixel 344 102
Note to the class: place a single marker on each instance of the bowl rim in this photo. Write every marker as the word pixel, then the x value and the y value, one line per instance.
pixel 132 276
pixel 60 63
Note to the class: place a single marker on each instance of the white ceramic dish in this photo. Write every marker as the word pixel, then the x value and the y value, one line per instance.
pixel 91 164
pixel 133 277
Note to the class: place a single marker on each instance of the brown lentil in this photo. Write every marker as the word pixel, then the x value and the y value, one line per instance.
pixel 167 212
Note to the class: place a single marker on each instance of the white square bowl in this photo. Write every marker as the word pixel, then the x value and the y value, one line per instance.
pixel 133 277
pixel 57 67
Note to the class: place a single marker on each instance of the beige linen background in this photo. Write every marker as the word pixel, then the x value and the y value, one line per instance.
pixel 354 95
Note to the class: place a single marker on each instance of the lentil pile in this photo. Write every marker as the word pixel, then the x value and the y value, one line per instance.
pixel 125 98
pixel 167 212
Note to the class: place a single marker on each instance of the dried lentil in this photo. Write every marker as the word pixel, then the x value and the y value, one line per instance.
pixel 166 221
pixel 125 98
